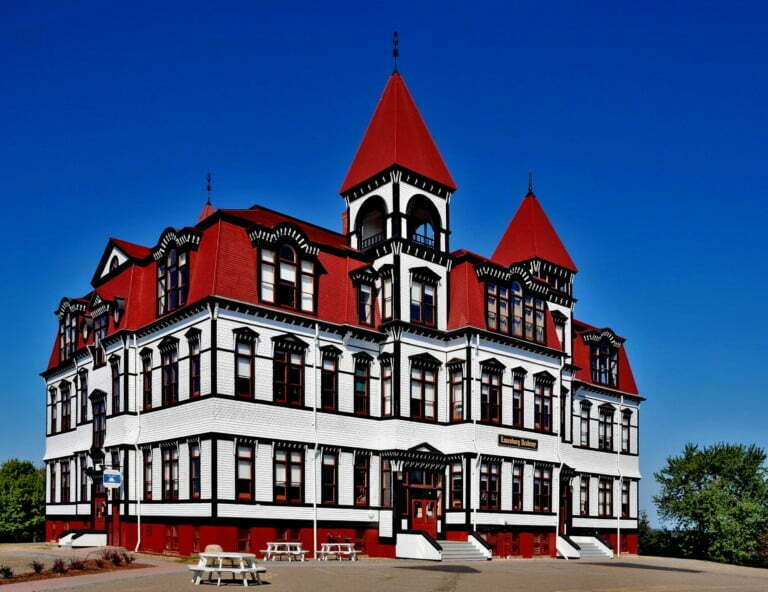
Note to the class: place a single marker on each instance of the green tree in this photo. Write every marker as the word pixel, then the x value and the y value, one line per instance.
pixel 22 501
pixel 716 498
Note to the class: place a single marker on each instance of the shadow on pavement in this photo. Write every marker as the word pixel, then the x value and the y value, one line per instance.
pixel 653 567
pixel 445 568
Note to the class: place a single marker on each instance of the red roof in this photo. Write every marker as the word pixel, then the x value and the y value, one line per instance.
pixel 581 358
pixel 131 249
pixel 530 234
pixel 397 134
pixel 207 210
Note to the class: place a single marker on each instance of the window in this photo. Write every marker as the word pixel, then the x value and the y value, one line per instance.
pixel 113 263
pixel 329 379
pixel 542 489
pixel 626 417
pixel 605 497
pixel 511 310
pixel 365 304
pixel 585 423
pixel 361 479
pixel 115 370
pixel 490 396
pixel 423 303
pixel 289 476
pixel 67 336
pixel 605 429
pixel 625 498
pixel 542 406
pixel 421 225
pixel 83 480
pixel 286 280
pixel 82 394
pixel 244 370
pixel 386 390
pixel 457 486
pixel 54 411
pixel 172 281
pixel 148 474
pixel 100 327
pixel 64 468
pixel 330 473
pixel 518 394
pixel 245 476
pixel 194 470
pixel 361 388
pixel 288 377
pixel 605 364
pixel 560 330
pixel 52 483
pixel 66 407
pixel 489 485
pixel 386 298
pixel 170 386
pixel 386 483
pixel 517 487
pixel 99 422
pixel 170 473
pixel 146 380
pixel 194 367
pixel 423 393
pixel 584 496
pixel 457 393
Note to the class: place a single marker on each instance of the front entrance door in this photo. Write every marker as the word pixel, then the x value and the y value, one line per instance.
pixel 99 511
pixel 424 513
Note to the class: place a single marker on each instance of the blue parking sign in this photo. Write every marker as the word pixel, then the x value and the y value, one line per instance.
pixel 112 479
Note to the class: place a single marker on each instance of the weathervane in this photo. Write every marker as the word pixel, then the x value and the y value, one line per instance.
pixel 395 51
pixel 208 187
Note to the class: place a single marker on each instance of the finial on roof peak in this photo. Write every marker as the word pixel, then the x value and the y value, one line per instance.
pixel 208 187
pixel 530 185
pixel 395 51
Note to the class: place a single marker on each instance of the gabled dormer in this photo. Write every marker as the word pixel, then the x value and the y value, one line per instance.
pixel 398 186
pixel 117 255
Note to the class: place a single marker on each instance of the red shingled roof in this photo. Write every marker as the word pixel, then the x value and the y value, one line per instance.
pixel 131 249
pixel 530 234
pixel 397 134
pixel 581 358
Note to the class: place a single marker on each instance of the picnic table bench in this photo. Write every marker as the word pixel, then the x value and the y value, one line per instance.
pixel 290 549
pixel 234 564
pixel 339 550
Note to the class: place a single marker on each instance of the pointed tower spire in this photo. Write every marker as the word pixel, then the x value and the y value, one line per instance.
pixel 531 235
pixel 397 135
pixel 208 208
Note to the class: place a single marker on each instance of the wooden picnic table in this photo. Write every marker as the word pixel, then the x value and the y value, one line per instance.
pixel 243 564
pixel 289 549
pixel 339 550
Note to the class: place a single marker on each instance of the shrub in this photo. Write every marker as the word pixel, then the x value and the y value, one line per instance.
pixel 77 564
pixel 128 558
pixel 99 562
pixel 6 572
pixel 59 567
pixel 37 566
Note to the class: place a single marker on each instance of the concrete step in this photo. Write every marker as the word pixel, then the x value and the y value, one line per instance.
pixel 460 551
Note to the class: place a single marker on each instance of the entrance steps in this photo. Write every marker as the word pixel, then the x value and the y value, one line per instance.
pixel 83 538
pixel 592 548
pixel 460 551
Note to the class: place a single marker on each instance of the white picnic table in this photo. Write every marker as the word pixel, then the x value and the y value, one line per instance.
pixel 243 564
pixel 289 549
pixel 337 549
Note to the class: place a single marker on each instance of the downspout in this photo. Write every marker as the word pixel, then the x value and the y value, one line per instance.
pixel 136 465
pixel 560 470
pixel 475 498
pixel 621 482
pixel 314 426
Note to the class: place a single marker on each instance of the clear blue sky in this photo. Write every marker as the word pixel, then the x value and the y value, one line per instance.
pixel 645 125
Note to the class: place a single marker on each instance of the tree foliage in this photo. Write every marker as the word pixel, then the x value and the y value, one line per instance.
pixel 716 498
pixel 22 501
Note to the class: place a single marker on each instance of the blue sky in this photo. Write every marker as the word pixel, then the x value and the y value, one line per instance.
pixel 644 123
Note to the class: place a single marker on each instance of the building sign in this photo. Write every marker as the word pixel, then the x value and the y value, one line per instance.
pixel 515 442
pixel 112 479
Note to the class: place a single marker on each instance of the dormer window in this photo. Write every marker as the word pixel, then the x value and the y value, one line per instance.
pixel 172 281
pixel 287 280
pixel 100 326
pixel 113 263
pixel 67 336
pixel 605 364
pixel 511 310
pixel 365 304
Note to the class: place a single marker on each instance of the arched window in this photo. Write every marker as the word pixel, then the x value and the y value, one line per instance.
pixel 172 281
pixel 286 279
pixel 512 310
pixel 114 263
pixel 605 366
pixel 371 224
pixel 423 222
